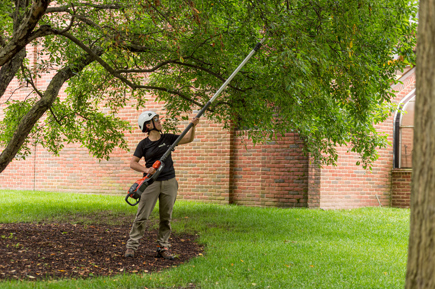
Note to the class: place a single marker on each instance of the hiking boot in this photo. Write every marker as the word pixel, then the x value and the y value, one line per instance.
pixel 129 253
pixel 163 252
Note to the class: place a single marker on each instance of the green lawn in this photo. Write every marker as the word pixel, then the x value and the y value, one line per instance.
pixel 246 247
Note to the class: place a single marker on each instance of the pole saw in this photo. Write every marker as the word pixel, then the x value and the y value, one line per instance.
pixel 140 185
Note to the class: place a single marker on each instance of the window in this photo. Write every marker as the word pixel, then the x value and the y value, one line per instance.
pixel 404 133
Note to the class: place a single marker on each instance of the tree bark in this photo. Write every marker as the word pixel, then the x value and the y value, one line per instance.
pixel 421 252
pixel 8 71
pixel 29 120
pixel 23 34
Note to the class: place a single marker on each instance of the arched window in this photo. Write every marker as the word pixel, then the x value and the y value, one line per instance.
pixel 404 133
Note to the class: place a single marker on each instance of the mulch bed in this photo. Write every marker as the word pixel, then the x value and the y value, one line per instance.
pixel 31 251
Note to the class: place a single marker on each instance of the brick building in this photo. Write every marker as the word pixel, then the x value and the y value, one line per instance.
pixel 350 186
pixel 224 168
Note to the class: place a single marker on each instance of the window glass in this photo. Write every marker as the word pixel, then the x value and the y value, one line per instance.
pixel 408 115
pixel 407 134
pixel 406 147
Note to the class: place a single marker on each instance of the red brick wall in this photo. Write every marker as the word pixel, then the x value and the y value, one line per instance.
pixel 350 186
pixel 202 166
pixel 314 184
pixel 401 188
pixel 270 174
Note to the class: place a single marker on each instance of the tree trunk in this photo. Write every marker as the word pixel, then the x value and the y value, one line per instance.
pixel 421 253
pixel 29 120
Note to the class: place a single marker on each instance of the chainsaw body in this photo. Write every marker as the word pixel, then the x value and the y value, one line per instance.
pixel 140 185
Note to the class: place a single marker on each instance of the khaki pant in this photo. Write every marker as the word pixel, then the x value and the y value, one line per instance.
pixel 166 192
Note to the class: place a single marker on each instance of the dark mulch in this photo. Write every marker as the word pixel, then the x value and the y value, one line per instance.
pixel 42 251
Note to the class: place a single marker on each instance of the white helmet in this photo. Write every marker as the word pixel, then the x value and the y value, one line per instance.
pixel 144 117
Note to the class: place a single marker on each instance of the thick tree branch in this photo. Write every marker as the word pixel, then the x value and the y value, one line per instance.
pixel 21 36
pixel 9 69
pixel 35 113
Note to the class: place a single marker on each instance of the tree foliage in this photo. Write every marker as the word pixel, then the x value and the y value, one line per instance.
pixel 325 70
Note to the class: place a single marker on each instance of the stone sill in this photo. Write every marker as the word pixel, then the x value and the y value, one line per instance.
pixel 401 170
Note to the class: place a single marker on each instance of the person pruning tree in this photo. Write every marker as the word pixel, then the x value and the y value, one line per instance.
pixel 156 149
pixel 164 188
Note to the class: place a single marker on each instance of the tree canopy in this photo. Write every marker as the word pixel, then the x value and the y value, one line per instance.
pixel 325 70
